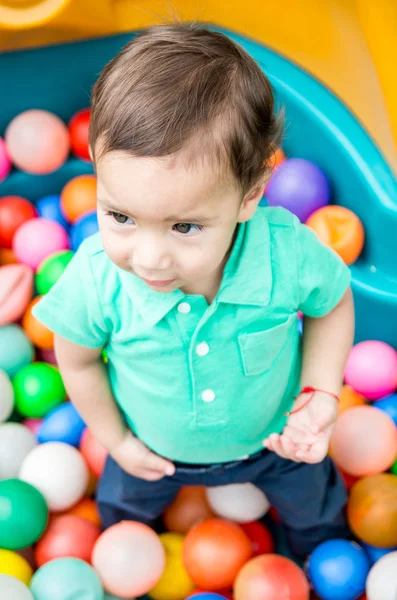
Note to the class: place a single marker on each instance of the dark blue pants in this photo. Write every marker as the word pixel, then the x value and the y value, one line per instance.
pixel 310 499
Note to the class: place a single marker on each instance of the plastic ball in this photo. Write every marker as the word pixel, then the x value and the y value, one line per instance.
pixel 175 583
pixel 214 552
pixel 16 290
pixel 50 270
pixel 94 454
pixel 14 565
pixel 33 425
pixel 364 441
pixel 349 398
pixel 13 589
pixel 339 228
pixel 129 558
pixel 86 509
pixel 67 535
pixel 62 424
pixel 38 389
pixel 206 596
pixel 389 406
pixel 16 441
pixel 14 211
pixel 37 332
pixel 271 577
pixel 59 472
pixel 393 468
pixel 372 369
pixel 276 159
pixel 382 579
pixel 300 186
pixel 260 538
pixel 37 142
pixel 189 508
pixel 6 396
pixel 66 579
pixel 38 238
pixel 49 207
pixel 374 553
pixel 84 227
pixel 338 570
pixel 79 197
pixel 16 350
pixel 5 163
pixel 49 357
pixel 78 129
pixel 7 257
pixel 372 510
pixel 23 514
pixel 241 502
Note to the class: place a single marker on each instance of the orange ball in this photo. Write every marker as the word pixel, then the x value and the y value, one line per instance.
pixel 86 509
pixel 349 398
pixel 79 197
pixel 213 553
pixel 189 508
pixel 67 535
pixel 271 577
pixel 95 455
pixel 339 228
pixel 276 159
pixel 7 257
pixel 92 484
pixel 39 334
pixel 372 510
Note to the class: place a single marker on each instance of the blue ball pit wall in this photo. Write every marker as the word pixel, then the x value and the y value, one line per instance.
pixel 319 128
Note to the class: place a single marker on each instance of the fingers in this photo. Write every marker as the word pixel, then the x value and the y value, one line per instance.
pixel 155 463
pixel 282 446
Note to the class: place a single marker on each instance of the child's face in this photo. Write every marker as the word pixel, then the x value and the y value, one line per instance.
pixel 169 225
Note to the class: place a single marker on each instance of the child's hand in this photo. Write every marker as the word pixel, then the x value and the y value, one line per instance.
pixel 136 459
pixel 307 433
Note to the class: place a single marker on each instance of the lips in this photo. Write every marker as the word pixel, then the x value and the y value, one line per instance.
pixel 158 283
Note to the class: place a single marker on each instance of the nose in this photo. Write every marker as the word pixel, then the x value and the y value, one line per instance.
pixel 151 254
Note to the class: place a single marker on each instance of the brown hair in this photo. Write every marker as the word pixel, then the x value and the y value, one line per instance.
pixel 184 87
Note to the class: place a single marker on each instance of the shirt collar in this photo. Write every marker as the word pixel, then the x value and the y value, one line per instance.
pixel 247 277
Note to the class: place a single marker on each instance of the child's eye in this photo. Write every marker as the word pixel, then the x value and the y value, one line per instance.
pixel 186 228
pixel 120 218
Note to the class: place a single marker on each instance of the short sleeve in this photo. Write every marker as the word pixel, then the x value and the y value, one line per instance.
pixel 323 277
pixel 72 307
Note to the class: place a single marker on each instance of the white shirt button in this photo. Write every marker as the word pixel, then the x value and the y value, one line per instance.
pixel 184 307
pixel 202 349
pixel 208 395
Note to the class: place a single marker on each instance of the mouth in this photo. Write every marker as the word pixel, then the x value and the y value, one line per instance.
pixel 158 283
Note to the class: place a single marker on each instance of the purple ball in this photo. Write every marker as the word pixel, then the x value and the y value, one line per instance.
pixel 300 186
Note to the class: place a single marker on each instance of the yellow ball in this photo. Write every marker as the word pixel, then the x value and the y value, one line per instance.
pixel 175 583
pixel 16 566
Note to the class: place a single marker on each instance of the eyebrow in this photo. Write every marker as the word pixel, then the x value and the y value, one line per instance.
pixel 197 218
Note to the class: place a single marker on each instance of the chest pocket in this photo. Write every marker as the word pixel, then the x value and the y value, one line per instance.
pixel 260 350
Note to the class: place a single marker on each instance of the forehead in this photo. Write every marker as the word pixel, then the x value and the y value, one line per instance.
pixel 163 185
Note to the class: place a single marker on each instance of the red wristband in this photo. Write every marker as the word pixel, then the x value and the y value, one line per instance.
pixel 309 390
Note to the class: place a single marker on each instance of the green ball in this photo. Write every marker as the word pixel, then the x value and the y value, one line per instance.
pixel 38 389
pixel 51 269
pixel 66 578
pixel 23 514
pixel 394 468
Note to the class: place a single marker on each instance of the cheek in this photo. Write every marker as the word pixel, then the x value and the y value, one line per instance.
pixel 115 246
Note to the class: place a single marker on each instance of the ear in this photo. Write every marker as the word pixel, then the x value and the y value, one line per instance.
pixel 250 203
pixel 90 153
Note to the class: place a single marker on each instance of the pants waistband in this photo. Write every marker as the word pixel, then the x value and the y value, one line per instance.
pixel 209 468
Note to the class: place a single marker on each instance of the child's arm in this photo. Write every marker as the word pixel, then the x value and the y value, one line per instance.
pixel 89 389
pixel 326 345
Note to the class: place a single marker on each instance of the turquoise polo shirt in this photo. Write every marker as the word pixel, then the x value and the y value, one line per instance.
pixel 203 383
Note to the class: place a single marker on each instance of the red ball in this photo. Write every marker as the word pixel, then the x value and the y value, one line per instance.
pixel 95 455
pixel 261 538
pixel 213 553
pixel 14 211
pixel 78 129
pixel 67 535
pixel 271 577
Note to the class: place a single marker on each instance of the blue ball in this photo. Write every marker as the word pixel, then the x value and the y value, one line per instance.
pixel 62 424
pixel 84 227
pixel 49 207
pixel 206 596
pixel 338 570
pixel 389 406
pixel 375 553
pixel 66 578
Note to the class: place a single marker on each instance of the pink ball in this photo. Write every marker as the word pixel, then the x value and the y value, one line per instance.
pixel 364 441
pixel 129 558
pixel 36 239
pixel 372 369
pixel 37 141
pixel 49 356
pixel 5 163
pixel 33 424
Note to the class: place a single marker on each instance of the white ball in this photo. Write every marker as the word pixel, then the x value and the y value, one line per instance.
pixel 240 502
pixel 16 441
pixel 59 472
pixel 6 396
pixel 13 589
pixel 382 579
